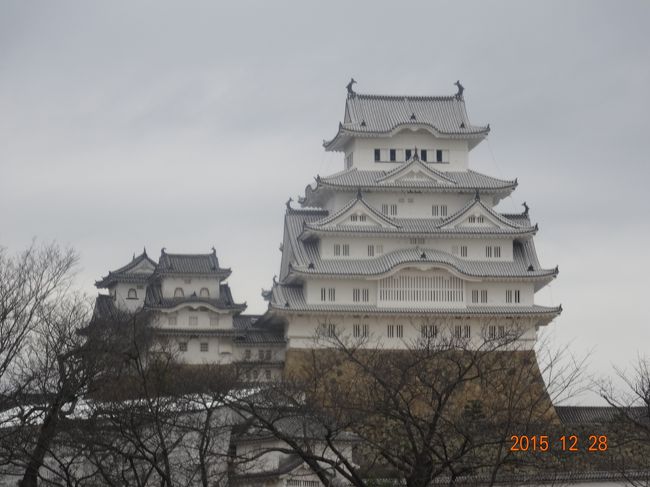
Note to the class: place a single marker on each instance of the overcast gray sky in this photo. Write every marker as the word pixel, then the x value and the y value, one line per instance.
pixel 188 124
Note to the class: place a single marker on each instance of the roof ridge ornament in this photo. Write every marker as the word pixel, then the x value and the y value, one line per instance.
pixel 477 196
pixel 349 87
pixel 413 117
pixel 288 203
pixel 359 197
pixel 461 88
pixel 526 208
pixel 415 154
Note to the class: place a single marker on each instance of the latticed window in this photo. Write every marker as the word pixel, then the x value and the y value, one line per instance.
pixel 439 210
pixel 331 330
pixel 204 346
pixel 429 331
pixel 356 295
pixel 421 288
pixel 360 330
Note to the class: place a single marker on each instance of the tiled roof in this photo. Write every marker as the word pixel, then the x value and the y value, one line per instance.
pixel 190 264
pixel 588 415
pixel 307 260
pixel 291 298
pixel 376 115
pixel 463 181
pixel 127 274
pixel 154 299
pixel 252 329
pixel 105 309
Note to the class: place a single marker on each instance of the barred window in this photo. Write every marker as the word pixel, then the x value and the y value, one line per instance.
pixel 204 292
pixel 365 295
pixel 323 294
pixel 384 209
pixel 488 251
pixel 182 346
pixel 390 331
pixel 204 346
pixel 331 330
pixel 393 209
pixel 497 251
pixel 331 294
pixel 399 331
pixel 517 296
pixel 194 321
pixel 509 296
pixel 337 249
pixel 371 250
pixel 356 295
pixel 178 292
pixel 346 249
pixel 463 250
pixel 484 296
pixel 429 331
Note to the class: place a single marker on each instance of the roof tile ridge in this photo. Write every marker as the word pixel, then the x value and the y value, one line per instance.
pixel 378 96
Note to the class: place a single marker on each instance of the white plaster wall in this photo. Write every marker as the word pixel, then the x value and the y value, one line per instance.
pixel 302 330
pixel 121 296
pixel 169 284
pixel 202 315
pixel 497 293
pixel 343 290
pixel 359 246
pixel 364 155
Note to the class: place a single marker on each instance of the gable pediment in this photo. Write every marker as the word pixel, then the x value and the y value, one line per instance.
pixel 416 171
pixel 356 213
pixel 477 215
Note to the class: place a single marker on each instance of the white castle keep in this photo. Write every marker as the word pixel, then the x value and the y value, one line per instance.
pixel 405 241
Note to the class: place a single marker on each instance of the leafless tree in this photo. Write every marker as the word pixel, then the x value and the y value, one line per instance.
pixel 443 407
pixel 43 368
pixel 631 425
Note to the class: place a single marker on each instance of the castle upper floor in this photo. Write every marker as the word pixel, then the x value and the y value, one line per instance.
pixel 380 132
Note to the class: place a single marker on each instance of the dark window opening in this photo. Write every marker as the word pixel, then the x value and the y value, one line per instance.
pixel 423 155
pixel 393 155
pixel 377 155
pixel 408 154
pixel 438 155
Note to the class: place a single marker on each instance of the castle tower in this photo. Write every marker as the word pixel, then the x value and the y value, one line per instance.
pixel 193 312
pixel 405 241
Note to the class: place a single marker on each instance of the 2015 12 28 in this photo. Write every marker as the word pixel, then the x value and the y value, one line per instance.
pixel 568 443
